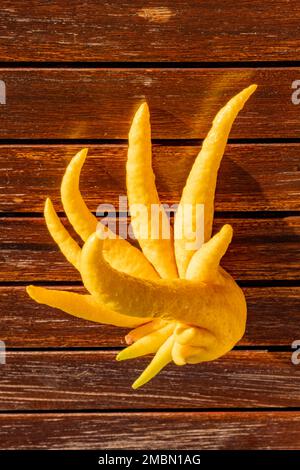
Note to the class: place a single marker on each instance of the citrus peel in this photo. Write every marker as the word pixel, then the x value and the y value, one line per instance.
pixel 201 182
pixel 143 198
pixel 184 307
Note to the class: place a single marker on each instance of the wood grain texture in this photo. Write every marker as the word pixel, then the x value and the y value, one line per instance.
pixel 95 380
pixel 169 30
pixel 261 249
pixel 77 104
pixel 145 431
pixel 29 174
pixel 99 103
pixel 273 319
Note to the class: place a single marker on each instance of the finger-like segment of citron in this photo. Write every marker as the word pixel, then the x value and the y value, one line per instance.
pixel 126 258
pixel 144 201
pixel 204 348
pixel 186 354
pixel 83 221
pixel 201 183
pixel 123 292
pixel 131 260
pixel 195 355
pixel 206 261
pixel 80 306
pixel 143 330
pixel 61 236
pixel 147 344
pixel 220 308
pixel 178 354
pixel 193 336
pixel 120 253
pixel 192 341
pixel 160 360
pixel 181 353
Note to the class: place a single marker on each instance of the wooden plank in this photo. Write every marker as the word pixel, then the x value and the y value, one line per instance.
pixel 135 31
pixel 147 431
pixel 75 380
pixel 99 103
pixel 262 249
pixel 24 323
pixel 252 176
pixel 273 319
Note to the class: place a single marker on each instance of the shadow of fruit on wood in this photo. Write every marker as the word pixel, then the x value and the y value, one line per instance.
pixel 182 306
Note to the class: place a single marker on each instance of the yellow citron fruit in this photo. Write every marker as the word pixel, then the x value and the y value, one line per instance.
pixel 201 183
pixel 182 305
pixel 143 198
pixel 218 307
pixel 81 306
pixel 85 223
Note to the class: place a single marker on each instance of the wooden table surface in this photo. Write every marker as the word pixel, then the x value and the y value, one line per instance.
pixel 74 74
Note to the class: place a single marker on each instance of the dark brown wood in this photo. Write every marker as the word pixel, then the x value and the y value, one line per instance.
pixel 154 31
pixel 158 430
pixel 30 173
pixel 24 323
pixel 273 319
pixel 261 249
pixel 93 103
pixel 98 103
pixel 95 380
